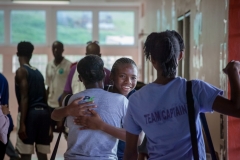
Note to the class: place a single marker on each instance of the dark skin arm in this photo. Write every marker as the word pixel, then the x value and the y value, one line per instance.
pixel 21 80
pixel 47 93
pixel 73 109
pixel 230 106
pixel 95 122
pixel 130 151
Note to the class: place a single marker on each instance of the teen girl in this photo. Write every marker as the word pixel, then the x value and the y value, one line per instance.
pixel 160 108
pixel 124 79
pixel 88 144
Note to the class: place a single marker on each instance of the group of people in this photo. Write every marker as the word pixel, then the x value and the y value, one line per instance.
pixel 105 116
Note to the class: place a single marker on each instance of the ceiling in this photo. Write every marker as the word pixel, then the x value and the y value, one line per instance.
pixel 88 2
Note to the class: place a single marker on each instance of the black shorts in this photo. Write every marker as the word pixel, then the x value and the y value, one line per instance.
pixel 38 122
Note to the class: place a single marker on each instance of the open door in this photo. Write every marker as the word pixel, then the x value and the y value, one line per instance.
pixel 184 30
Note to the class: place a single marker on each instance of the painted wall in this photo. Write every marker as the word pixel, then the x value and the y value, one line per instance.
pixel 208 43
pixel 234 53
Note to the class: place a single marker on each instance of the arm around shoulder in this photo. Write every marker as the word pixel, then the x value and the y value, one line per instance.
pixel 59 113
pixel 73 109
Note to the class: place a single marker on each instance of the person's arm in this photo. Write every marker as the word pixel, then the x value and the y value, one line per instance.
pixel 73 109
pixel 5 93
pixel 21 80
pixel 130 151
pixel 95 122
pixel 225 106
pixel 47 83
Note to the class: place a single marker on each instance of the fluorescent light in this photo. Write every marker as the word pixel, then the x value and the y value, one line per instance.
pixel 40 2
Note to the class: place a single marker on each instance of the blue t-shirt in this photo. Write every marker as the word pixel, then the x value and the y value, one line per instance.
pixel 161 112
pixel 121 144
pixel 95 144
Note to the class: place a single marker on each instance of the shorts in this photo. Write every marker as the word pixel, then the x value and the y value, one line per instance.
pixel 37 129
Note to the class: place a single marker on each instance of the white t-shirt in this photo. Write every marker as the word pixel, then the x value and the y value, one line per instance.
pixel 56 77
pixel 76 85
pixel 161 112
pixel 95 144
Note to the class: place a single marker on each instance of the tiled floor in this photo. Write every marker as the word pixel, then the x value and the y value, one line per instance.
pixel 61 149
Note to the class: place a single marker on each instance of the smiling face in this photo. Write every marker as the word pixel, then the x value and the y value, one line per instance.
pixel 124 79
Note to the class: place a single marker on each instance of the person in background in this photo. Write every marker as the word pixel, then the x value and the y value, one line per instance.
pixel 56 76
pixel 4 92
pixel 34 115
pixel 4 111
pixel 73 85
pixel 162 105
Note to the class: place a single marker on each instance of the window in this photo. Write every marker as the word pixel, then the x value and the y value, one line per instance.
pixel 73 58
pixel 38 60
pixel 109 60
pixel 74 27
pixel 116 28
pixel 28 26
pixel 1 27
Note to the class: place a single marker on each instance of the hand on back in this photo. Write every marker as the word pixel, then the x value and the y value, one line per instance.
pixel 93 121
pixel 76 108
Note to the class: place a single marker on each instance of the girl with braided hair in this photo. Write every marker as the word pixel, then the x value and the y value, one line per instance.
pixel 160 108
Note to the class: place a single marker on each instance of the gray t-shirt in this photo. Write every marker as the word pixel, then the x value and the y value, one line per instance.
pixel 95 144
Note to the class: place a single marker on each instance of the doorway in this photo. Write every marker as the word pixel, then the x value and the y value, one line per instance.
pixel 184 30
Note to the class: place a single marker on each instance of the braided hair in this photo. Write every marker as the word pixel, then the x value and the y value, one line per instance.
pixel 120 62
pixel 164 47
pixel 90 68
pixel 25 49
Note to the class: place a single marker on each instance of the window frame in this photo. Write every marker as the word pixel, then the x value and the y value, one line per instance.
pixel 51 21
pixel 134 28
pixel 30 9
pixel 95 16
pixel 5 20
